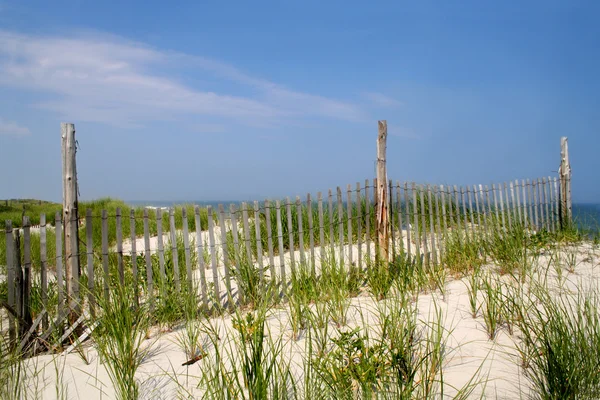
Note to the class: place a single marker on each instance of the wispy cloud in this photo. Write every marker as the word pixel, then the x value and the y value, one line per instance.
pixel 10 128
pixel 102 78
pixel 381 100
pixel 208 128
pixel 402 132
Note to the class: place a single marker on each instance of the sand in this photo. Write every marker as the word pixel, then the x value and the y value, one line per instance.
pixel 468 349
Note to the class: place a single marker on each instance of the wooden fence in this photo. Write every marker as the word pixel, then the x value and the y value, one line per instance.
pixel 205 249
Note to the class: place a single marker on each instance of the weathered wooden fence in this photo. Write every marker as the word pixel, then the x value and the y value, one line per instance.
pixel 205 249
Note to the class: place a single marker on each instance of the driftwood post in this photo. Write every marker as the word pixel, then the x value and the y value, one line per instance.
pixel 564 173
pixel 11 275
pixel 382 195
pixel 70 213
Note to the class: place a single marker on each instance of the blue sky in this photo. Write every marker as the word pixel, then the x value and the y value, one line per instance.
pixel 247 100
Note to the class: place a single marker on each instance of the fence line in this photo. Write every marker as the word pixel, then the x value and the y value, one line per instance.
pixel 284 235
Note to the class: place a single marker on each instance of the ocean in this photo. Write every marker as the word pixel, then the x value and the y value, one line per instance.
pixel 586 215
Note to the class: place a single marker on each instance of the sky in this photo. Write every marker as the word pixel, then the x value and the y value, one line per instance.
pixel 207 100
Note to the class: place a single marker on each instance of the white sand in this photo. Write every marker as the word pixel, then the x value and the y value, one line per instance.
pixel 468 349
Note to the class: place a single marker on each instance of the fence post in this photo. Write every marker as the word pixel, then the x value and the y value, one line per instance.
pixel 564 173
pixel 70 212
pixel 382 195
pixel 18 281
pixel 11 275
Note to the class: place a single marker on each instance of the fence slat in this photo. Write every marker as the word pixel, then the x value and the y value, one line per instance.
pixel 59 261
pixel 407 218
pixel 450 207
pixel 359 224
pixel 300 230
pixel 340 208
pixel 471 212
pixel 26 270
pixel 44 269
pixel 174 251
pixel 540 191
pixel 270 239
pixel 161 245
pixel 148 256
pixel 225 251
pixel 283 278
pixel 531 202
pixel 509 214
pixel 457 202
pixel 367 220
pixel 213 258
pixel 247 241
pixel 516 210
pixel 431 225
pixel 399 208
pixel 18 282
pixel 542 185
pixel 536 204
pixel 90 262
pixel 417 234
pixel 186 247
pixel 551 205
pixel 200 260
pixel 477 210
pixel 259 251
pixel 481 196
pixel 465 212
pixel 518 206
pixel 390 208
pixel 134 268
pixel 349 212
pixel 236 250
pixel 553 210
pixel 546 204
pixel 321 228
pixel 557 202
pixel 489 207
pixel 502 219
pixel 524 204
pixel 376 251
pixel 444 218
pixel 501 200
pixel 119 225
pixel 290 224
pixel 438 225
pixel 496 211
pixel 540 196
pixel 311 233
pixel 104 229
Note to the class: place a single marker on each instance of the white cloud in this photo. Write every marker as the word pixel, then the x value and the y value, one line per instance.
pixel 10 128
pixel 111 80
pixel 382 100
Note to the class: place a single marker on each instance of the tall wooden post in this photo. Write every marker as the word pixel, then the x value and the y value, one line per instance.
pixel 564 172
pixel 70 211
pixel 382 193
pixel 11 275
pixel 18 280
